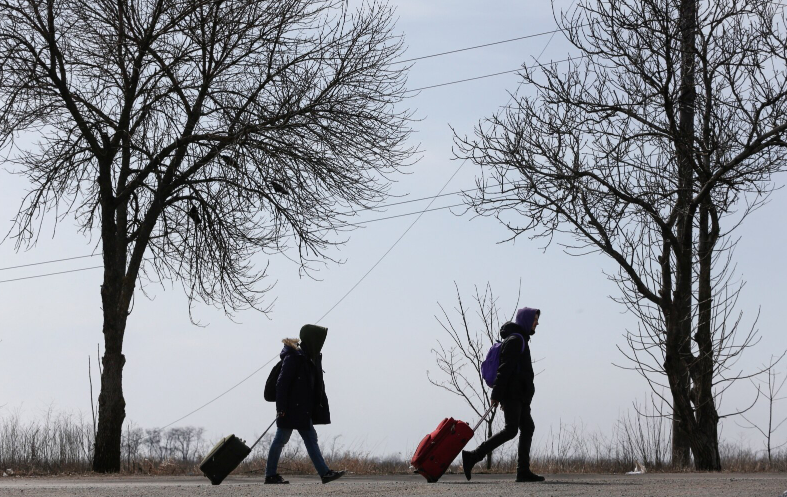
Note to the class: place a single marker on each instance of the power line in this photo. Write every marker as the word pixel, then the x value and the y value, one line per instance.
pixel 465 80
pixel 421 199
pixel 359 210
pixel 493 74
pixel 206 404
pixel 361 223
pixel 384 206
pixel 345 225
pixel 553 35
pixel 478 46
pixel 406 214
pixel 392 246
pixel 50 274
pixel 47 262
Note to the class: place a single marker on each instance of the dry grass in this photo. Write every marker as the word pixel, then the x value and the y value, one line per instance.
pixel 57 444
pixel 63 444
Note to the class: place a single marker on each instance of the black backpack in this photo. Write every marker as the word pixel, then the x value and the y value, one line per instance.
pixel 270 383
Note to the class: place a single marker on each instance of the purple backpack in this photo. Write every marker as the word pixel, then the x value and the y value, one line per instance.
pixel 492 361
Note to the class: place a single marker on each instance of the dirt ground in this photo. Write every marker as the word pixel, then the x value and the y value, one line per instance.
pixel 648 485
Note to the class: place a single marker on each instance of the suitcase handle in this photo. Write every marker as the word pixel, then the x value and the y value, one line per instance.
pixel 265 432
pixel 483 418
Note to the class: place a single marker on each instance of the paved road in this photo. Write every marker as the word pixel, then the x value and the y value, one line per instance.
pixel 650 485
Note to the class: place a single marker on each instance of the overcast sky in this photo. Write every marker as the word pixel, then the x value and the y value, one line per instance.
pixel 380 337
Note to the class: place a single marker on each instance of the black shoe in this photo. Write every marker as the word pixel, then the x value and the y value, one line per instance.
pixel 468 461
pixel 331 475
pixel 275 479
pixel 528 476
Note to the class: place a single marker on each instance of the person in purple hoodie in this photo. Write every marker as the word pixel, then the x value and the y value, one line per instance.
pixel 513 390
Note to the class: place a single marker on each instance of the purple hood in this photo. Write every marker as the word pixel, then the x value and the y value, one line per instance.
pixel 525 317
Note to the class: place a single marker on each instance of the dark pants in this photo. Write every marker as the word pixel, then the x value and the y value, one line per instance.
pixel 517 417
pixel 309 436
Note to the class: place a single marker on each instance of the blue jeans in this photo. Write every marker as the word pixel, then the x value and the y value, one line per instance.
pixel 309 436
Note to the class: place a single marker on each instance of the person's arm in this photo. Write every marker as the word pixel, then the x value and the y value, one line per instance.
pixel 283 383
pixel 509 356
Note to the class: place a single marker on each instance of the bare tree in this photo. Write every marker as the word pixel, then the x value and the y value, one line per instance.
pixel 672 116
pixel 460 361
pixel 152 441
pixel 770 390
pixel 185 441
pixel 190 135
pixel 132 440
pixel 644 435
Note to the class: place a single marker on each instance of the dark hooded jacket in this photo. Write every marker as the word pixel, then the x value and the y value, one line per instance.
pixel 515 376
pixel 300 389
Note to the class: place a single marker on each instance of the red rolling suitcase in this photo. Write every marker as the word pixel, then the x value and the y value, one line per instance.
pixel 438 449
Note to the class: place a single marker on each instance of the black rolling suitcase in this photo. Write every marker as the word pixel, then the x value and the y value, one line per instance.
pixel 226 456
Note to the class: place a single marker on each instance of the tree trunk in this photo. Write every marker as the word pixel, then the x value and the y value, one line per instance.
pixel 115 300
pixel 679 381
pixel 681 445
pixel 680 328
pixel 706 444
pixel 111 404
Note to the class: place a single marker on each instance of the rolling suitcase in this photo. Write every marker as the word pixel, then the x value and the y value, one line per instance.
pixel 226 456
pixel 438 449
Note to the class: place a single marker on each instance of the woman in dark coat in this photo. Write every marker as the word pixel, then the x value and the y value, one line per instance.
pixel 301 401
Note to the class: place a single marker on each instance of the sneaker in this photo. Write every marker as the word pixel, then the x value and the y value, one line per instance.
pixel 331 475
pixel 276 480
pixel 528 476
pixel 468 461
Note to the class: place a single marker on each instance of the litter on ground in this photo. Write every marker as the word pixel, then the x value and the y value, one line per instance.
pixel 639 469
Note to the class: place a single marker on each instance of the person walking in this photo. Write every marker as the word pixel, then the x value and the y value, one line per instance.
pixel 301 401
pixel 513 389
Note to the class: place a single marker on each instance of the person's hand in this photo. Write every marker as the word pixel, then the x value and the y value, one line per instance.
pixel 281 414
pixel 494 403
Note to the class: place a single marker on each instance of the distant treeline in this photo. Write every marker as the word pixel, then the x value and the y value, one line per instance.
pixel 60 443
